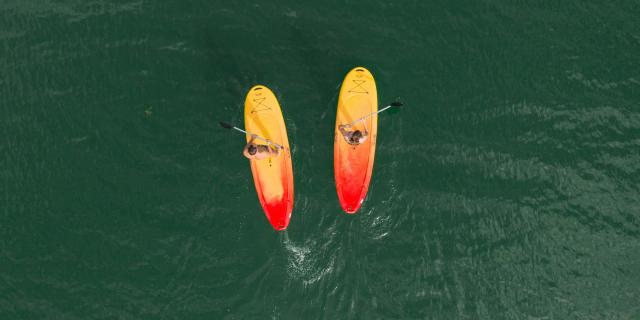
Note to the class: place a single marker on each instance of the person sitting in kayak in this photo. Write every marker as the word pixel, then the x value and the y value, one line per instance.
pixel 259 151
pixel 353 137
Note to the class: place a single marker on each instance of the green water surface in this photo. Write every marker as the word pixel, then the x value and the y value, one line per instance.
pixel 508 187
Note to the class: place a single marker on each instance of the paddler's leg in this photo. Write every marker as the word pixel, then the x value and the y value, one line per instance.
pixel 275 151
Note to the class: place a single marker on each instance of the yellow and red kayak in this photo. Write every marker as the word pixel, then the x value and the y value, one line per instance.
pixel 353 164
pixel 273 177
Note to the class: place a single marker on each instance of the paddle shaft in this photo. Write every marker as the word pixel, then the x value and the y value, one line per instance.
pixel 260 138
pixel 370 114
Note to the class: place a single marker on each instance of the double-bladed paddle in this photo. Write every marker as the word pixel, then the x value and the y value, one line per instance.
pixel 229 126
pixel 392 104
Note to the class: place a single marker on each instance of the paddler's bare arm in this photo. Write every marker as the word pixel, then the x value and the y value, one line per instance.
pixel 364 137
pixel 273 148
pixel 365 134
pixel 245 152
pixel 342 129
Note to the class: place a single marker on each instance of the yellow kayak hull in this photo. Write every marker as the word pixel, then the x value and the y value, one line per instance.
pixel 272 177
pixel 353 165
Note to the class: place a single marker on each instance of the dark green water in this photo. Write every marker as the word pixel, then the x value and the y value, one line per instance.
pixel 508 188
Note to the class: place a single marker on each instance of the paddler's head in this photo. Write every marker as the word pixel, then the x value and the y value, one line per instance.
pixel 356 136
pixel 252 149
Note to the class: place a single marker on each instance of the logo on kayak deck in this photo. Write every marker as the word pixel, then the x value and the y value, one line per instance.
pixel 259 105
pixel 358 88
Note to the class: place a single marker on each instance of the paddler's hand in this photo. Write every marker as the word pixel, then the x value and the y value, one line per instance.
pixel 274 144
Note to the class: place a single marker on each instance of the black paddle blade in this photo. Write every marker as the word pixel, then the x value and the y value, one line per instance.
pixel 225 125
pixel 395 104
